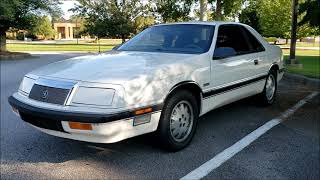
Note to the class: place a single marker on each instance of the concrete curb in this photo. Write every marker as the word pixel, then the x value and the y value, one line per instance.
pixel 15 56
pixel 302 79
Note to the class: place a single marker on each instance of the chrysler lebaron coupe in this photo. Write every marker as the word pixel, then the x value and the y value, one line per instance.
pixel 161 81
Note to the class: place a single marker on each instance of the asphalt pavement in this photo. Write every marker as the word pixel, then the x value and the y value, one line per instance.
pixel 290 150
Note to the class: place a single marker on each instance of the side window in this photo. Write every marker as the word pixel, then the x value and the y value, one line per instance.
pixel 231 36
pixel 254 43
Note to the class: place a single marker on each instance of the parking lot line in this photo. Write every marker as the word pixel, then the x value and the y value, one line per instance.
pixel 228 153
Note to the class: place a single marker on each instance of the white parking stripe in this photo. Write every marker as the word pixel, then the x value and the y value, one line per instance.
pixel 228 153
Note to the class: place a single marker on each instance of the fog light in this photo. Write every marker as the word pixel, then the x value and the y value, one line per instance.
pixel 141 119
pixel 81 126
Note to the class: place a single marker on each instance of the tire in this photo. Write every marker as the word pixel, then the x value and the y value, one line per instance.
pixel 176 130
pixel 268 96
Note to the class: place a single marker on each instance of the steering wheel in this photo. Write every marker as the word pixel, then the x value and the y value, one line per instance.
pixel 192 46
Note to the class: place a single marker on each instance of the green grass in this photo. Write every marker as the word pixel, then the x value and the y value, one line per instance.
pixel 58 47
pixel 102 41
pixel 300 52
pixel 311 66
pixel 302 44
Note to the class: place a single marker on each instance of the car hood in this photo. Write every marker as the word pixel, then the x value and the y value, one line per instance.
pixel 115 67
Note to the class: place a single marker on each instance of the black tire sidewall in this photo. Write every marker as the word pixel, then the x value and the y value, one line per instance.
pixel 264 94
pixel 164 123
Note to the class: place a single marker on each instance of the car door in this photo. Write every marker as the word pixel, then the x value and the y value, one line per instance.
pixel 257 51
pixel 230 71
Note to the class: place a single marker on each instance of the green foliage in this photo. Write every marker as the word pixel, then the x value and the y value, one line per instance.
pixel 271 39
pixel 21 14
pixel 311 8
pixel 43 28
pixel 142 23
pixel 172 10
pixel 250 16
pixel 109 18
pixel 225 9
pixel 275 17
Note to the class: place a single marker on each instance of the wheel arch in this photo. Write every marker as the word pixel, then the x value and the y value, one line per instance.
pixel 274 66
pixel 192 87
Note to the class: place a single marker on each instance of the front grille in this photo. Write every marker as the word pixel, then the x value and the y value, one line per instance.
pixel 42 122
pixel 49 94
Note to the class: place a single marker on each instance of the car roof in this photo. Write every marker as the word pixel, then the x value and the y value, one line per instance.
pixel 203 23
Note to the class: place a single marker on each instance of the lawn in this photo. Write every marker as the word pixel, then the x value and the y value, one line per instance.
pixel 311 66
pixel 301 52
pixel 58 47
pixel 302 44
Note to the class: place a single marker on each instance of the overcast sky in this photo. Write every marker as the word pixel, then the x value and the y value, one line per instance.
pixel 65 6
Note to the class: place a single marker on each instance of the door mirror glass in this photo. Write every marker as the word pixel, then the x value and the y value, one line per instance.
pixel 223 52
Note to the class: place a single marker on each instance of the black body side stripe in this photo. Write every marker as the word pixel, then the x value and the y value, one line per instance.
pixel 231 87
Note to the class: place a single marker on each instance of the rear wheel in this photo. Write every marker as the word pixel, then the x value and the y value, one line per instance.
pixel 267 97
pixel 178 121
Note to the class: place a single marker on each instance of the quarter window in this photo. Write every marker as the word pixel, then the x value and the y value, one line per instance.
pixel 255 45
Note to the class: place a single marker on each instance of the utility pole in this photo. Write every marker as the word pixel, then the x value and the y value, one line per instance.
pixel 293 32
pixel 203 10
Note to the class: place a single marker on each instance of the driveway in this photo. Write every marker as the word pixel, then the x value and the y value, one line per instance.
pixel 290 150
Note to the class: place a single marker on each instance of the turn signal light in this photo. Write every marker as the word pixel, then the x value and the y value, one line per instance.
pixel 81 126
pixel 143 111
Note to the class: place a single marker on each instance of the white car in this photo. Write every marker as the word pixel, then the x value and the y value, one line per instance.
pixel 162 80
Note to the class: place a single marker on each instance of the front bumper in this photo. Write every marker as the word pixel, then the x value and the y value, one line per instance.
pixel 106 128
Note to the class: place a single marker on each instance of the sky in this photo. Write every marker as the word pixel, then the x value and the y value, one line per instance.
pixel 65 6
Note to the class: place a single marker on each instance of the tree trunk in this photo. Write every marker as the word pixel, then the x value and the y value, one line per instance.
pixel 294 20
pixel 203 10
pixel 286 40
pixel 3 46
pixel 123 38
pixel 218 10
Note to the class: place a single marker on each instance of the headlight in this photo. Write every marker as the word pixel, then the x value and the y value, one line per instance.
pixel 26 85
pixel 93 96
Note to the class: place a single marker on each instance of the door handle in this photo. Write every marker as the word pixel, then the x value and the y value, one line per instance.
pixel 256 62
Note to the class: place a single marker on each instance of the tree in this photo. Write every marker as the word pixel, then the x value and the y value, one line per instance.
pixel 172 10
pixel 249 16
pixel 311 8
pixel 43 28
pixel 225 8
pixel 274 17
pixel 20 14
pixel 203 9
pixel 143 22
pixel 110 18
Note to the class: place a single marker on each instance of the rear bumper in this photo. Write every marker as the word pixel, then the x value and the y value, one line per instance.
pixel 106 128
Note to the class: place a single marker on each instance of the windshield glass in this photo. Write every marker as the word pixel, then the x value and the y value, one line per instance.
pixel 179 38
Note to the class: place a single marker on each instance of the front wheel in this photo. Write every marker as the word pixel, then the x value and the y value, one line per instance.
pixel 267 97
pixel 178 121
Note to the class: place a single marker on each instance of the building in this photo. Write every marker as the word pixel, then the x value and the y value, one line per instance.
pixel 66 29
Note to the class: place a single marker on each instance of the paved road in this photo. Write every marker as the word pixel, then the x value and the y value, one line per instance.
pixel 288 151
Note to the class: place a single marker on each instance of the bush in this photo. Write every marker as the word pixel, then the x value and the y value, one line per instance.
pixel 20 36
pixel 271 39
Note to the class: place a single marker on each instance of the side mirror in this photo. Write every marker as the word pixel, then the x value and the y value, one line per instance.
pixel 223 52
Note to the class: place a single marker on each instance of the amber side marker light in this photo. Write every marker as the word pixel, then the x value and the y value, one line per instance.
pixel 143 111
pixel 81 126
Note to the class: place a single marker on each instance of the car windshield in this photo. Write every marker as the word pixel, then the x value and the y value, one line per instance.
pixel 179 38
